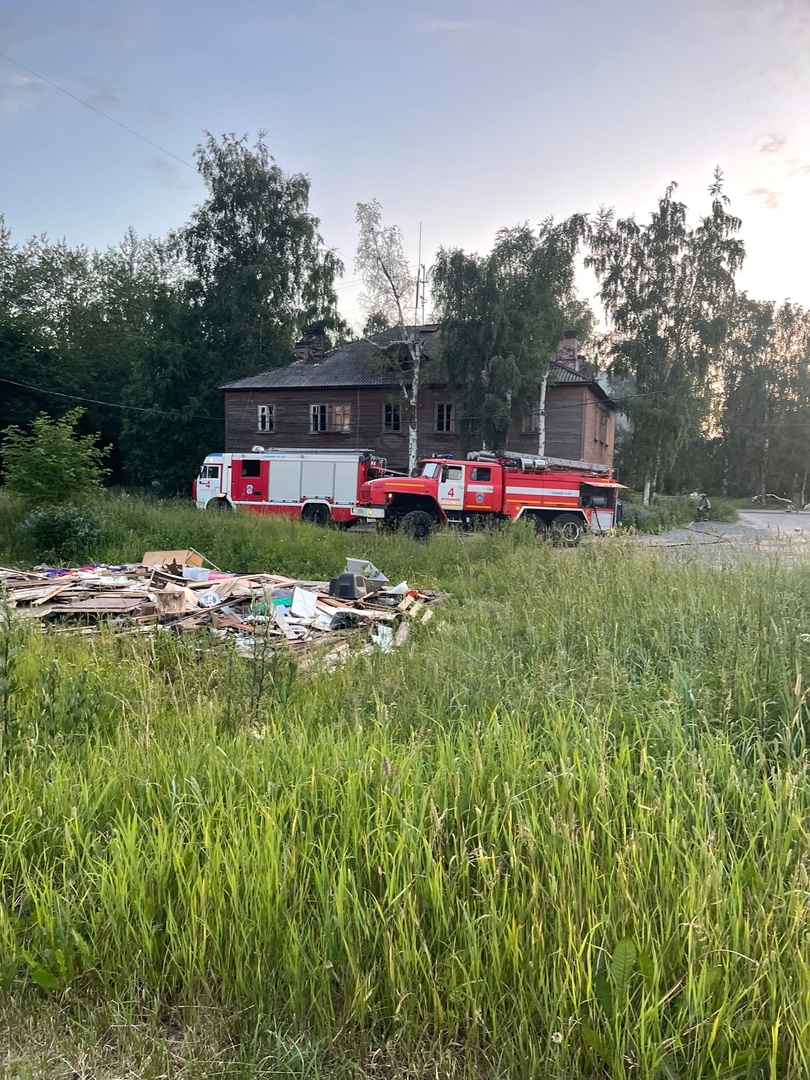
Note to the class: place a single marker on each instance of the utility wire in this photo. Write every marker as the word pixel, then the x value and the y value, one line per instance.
pixel 95 109
pixel 111 404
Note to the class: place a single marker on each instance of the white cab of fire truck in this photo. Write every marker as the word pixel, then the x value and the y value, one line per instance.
pixel 210 483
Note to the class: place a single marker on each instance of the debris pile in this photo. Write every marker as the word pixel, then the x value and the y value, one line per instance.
pixel 176 590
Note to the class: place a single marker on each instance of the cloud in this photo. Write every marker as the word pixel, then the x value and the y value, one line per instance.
pixel 20 91
pixel 798 167
pixel 170 174
pixel 774 144
pixel 771 199
pixel 100 94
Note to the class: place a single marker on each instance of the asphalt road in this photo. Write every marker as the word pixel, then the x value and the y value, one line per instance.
pixel 777 521
pixel 758 534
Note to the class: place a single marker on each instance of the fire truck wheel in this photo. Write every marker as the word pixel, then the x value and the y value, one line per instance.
pixel 566 529
pixel 418 524
pixel 316 514
pixel 219 503
pixel 540 528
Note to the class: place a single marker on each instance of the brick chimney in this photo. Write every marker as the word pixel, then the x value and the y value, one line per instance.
pixel 568 350
pixel 312 346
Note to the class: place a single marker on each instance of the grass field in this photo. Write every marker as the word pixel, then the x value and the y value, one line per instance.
pixel 561 834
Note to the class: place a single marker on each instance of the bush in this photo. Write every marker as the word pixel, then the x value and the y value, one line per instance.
pixel 670 511
pixel 53 464
pixel 66 534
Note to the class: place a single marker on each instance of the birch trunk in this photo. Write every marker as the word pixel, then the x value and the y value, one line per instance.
pixel 541 419
pixel 413 402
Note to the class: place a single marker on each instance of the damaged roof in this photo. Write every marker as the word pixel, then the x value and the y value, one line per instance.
pixel 357 363
pixel 361 363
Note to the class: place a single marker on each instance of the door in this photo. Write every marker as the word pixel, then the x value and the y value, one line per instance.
pixel 249 480
pixel 209 483
pixel 451 487
pixel 481 494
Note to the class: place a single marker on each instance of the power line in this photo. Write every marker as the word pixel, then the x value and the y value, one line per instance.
pixel 110 404
pixel 95 109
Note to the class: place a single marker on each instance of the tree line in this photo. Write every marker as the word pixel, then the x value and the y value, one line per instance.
pixel 714 384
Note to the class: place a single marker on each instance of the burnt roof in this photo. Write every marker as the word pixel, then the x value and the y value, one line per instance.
pixel 357 363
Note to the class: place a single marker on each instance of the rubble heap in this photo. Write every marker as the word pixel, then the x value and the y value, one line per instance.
pixel 176 590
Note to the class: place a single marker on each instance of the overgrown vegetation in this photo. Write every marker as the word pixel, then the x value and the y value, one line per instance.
pixel 560 834
pixel 125 525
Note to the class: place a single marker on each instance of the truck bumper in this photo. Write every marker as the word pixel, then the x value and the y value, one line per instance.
pixel 367 512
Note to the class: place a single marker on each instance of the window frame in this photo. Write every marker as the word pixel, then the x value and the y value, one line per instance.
pixel 394 426
pixel 322 418
pixel 266 413
pixel 250 475
pixel 445 410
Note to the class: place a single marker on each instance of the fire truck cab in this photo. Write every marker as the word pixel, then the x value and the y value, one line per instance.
pixel 559 496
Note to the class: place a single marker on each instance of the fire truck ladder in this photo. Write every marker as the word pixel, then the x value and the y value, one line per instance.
pixel 532 461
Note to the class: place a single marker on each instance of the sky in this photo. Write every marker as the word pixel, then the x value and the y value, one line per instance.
pixel 459 116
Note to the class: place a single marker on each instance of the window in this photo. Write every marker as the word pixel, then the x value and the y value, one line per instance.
pixel 341 418
pixel 483 476
pixel 251 467
pixel 330 418
pixel 452 472
pixel 531 422
pixel 391 418
pixel 445 420
pixel 209 472
pixel 600 428
pixel 430 469
pixel 266 418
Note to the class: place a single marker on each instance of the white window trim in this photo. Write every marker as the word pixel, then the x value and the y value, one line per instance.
pixel 268 415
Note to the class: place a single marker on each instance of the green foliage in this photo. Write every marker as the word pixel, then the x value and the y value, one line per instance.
pixel 62 534
pixel 764 411
pixel 502 318
pixel 669 290
pixel 52 463
pixel 260 272
pixel 559 834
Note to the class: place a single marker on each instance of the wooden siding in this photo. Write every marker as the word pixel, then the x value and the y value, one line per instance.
pixel 572 419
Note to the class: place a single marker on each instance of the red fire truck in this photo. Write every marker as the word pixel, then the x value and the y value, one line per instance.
pixel 559 496
pixel 319 486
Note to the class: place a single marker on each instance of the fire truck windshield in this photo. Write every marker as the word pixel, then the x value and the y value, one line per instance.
pixel 430 469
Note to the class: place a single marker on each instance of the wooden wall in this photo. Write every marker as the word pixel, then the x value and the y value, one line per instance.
pixel 572 419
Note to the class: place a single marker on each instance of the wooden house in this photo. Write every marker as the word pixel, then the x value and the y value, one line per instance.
pixel 350 397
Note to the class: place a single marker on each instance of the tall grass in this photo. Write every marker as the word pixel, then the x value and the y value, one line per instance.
pixel 562 833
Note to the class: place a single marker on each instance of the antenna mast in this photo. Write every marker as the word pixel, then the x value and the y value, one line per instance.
pixel 421 282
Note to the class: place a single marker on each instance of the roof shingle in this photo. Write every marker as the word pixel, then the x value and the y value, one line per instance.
pixel 355 364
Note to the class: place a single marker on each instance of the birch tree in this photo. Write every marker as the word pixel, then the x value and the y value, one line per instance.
pixel 668 290
pixel 389 288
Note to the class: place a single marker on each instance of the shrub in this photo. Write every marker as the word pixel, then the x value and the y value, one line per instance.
pixel 53 464
pixel 62 534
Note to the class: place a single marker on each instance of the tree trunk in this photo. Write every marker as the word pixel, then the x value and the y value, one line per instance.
pixel 541 420
pixel 724 486
pixel 413 401
pixel 645 498
pixel 763 471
